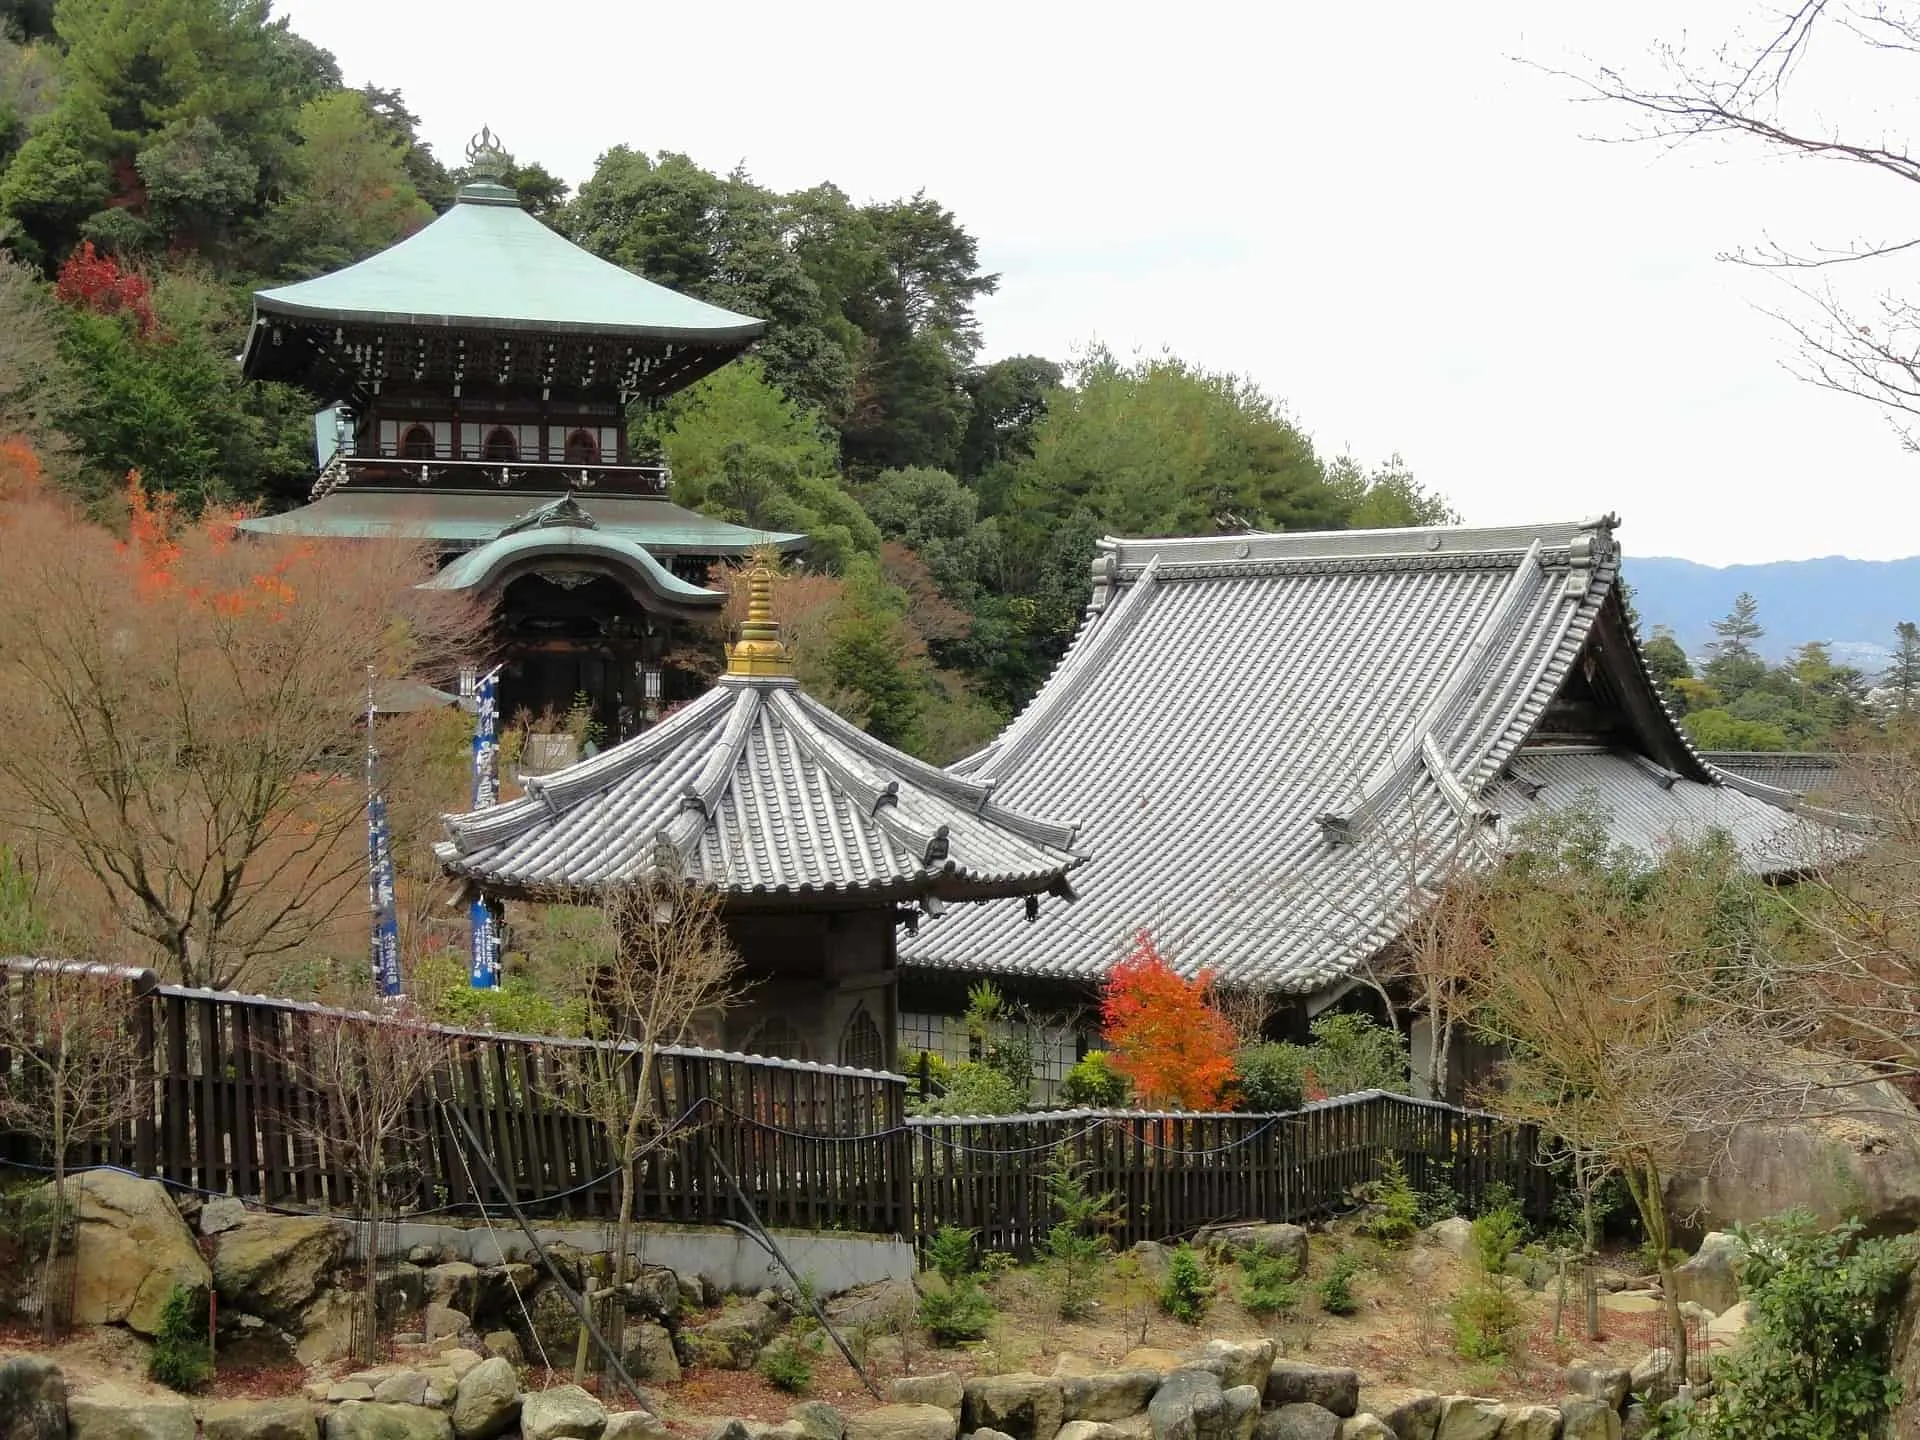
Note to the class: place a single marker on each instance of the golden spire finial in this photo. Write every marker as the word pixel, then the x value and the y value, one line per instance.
pixel 759 650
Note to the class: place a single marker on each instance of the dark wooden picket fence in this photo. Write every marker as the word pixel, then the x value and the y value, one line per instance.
pixel 813 1146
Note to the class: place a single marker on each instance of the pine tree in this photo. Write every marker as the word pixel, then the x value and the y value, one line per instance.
pixel 1736 666
pixel 1903 676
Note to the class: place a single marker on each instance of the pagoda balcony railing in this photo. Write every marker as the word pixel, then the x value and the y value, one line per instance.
pixel 445 473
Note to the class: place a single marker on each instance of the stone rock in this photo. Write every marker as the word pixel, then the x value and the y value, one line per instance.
pixel 1108 1394
pixel 343 1390
pixel 818 1420
pixel 647 1352
pixel 1193 1405
pixel 401 1289
pixel 1409 1414
pixel 258 1419
pixel 1153 1258
pixel 1632 1302
pixel 1531 1422
pixel 405 1387
pixel 1650 1375
pixel 499 1289
pixel 1585 1419
pixel 1088 1430
pixel 732 1340
pixel 364 1420
pixel 1712 1276
pixel 1636 1422
pixel 1286 1240
pixel 1298 1421
pixel 874 1304
pixel 107 1412
pixel 902 1422
pixel 1608 1281
pixel 1146 1357
pixel 1600 1382
pixel 505 1345
pixel 654 1292
pixel 275 1266
pixel 33 1399
pixel 455 1284
pixel 985 1434
pixel 1466 1417
pixel 220 1214
pixel 1696 1314
pixel 1237 1363
pixel 565 1412
pixel 459 1361
pixel 1728 1326
pixel 131 1250
pixel 1453 1235
pixel 634 1425
pixel 1365 1427
pixel 1025 1406
pixel 1293 1382
pixel 942 1388
pixel 442 1320
pixel 486 1400
pixel 555 1327
pixel 1864 1163
pixel 731 1430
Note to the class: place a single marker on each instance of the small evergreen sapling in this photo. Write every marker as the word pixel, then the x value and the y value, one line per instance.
pixel 182 1358
pixel 786 1366
pixel 1395 1214
pixel 1188 1288
pixel 1335 1289
pixel 1076 1246
pixel 1270 1284
pixel 961 1309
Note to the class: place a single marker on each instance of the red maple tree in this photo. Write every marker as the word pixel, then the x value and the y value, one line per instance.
pixel 1163 1031
pixel 96 282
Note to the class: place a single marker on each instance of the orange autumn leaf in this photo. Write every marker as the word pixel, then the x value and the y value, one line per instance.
pixel 1163 1031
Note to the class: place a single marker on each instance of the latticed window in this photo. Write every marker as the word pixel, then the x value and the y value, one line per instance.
pixel 583 448
pixel 416 443
pixel 502 444
pixel 860 1042
pixel 775 1036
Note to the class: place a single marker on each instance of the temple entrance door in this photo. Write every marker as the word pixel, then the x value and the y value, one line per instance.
pixel 566 637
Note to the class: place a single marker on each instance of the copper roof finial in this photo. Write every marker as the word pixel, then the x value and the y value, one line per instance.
pixel 487 157
pixel 759 650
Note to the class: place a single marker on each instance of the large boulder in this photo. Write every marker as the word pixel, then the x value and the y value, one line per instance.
pixel 555 1327
pixel 1366 1427
pixel 499 1290
pixel 654 1292
pixel 1293 1382
pixel 1584 1419
pixel 275 1266
pixel 732 1340
pixel 1531 1422
pixel 646 1350
pixel 1861 1161
pixel 1025 1406
pixel 942 1388
pixel 1467 1417
pixel 1089 1430
pixel 33 1399
pixel 108 1412
pixel 1237 1363
pixel 257 1419
pixel 1297 1422
pixel 634 1425
pixel 1410 1414
pixel 131 1250
pixel 1108 1394
pixel 1453 1235
pixel 1600 1382
pixel 1282 1240
pixel 565 1412
pixel 818 1420
pixel 903 1422
pixel 1711 1277
pixel 364 1420
pixel 486 1401
pixel 1193 1405
pixel 455 1284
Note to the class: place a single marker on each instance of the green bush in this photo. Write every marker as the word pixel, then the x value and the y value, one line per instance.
pixel 182 1359
pixel 1394 1217
pixel 1351 1052
pixel 1487 1321
pixel 1269 1284
pixel 1335 1289
pixel 1497 1233
pixel 961 1311
pixel 1188 1288
pixel 977 1088
pixel 1815 1362
pixel 786 1366
pixel 950 1253
pixel 1076 1245
pixel 1271 1077
pixel 1094 1084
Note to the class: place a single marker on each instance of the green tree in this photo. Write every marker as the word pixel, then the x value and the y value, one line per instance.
pixel 1668 663
pixel 430 178
pixel 1005 402
pixel 1386 497
pixel 1903 676
pixel 1718 729
pixel 1736 666
pixel 352 195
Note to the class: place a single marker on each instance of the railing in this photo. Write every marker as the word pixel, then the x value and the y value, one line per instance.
pixel 482 474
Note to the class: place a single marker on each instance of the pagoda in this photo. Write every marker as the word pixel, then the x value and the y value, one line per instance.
pixel 819 839
pixel 477 377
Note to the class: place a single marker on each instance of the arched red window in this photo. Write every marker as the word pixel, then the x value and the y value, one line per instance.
pixel 416 443
pixel 583 448
pixel 502 444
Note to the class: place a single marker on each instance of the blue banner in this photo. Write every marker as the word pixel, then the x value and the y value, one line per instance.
pixel 483 915
pixel 381 899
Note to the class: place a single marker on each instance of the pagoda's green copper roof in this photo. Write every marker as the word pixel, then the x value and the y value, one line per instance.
pixel 479 569
pixel 488 263
pixel 463 519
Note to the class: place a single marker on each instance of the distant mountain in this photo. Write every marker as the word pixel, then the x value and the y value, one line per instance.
pixel 1852 604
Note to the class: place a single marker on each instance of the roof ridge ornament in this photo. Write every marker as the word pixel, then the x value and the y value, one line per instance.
pixel 759 651
pixel 487 158
pixel 566 511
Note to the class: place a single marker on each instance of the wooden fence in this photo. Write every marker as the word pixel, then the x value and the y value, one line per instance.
pixel 234 1110
pixel 1171 1173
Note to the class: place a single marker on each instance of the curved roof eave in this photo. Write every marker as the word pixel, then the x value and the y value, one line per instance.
pixel 269 306
pixel 496 561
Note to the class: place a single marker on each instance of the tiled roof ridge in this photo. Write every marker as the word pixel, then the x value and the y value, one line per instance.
pixel 1446 545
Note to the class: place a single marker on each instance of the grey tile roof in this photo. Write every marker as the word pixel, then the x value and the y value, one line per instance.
pixel 1802 773
pixel 1274 741
pixel 760 790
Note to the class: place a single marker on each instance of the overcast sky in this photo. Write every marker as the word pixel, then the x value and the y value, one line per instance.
pixel 1373 210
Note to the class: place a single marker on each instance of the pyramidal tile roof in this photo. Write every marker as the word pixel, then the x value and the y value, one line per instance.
pixel 1277 743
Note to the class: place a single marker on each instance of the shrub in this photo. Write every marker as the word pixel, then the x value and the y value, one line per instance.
pixel 786 1366
pixel 1271 1077
pixel 978 1088
pixel 1497 1233
pixel 1270 1284
pixel 1824 1306
pixel 1075 1246
pixel 950 1253
pixel 1335 1289
pixel 1094 1083
pixel 182 1359
pixel 962 1311
pixel 1351 1052
pixel 1487 1321
pixel 1188 1288
pixel 1395 1215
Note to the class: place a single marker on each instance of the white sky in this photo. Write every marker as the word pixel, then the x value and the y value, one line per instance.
pixel 1373 210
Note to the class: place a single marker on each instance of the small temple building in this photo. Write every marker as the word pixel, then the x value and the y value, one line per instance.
pixel 1278 744
pixel 477 377
pixel 820 840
